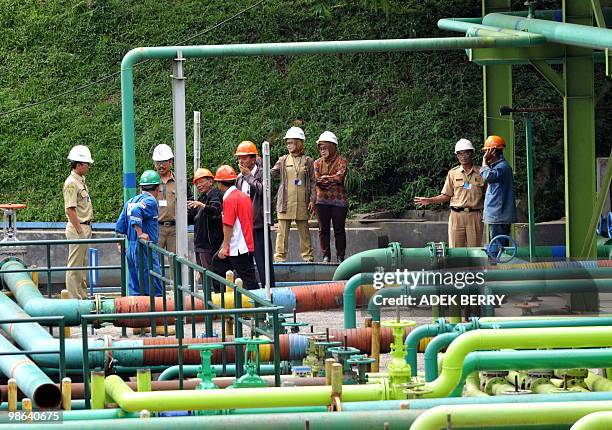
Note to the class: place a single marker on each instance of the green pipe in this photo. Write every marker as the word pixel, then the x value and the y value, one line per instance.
pixel 530 184
pixel 477 29
pixel 472 387
pixel 417 334
pixel 272 397
pixel 519 338
pixel 191 370
pixel 394 257
pixel 33 337
pixel 430 403
pixel 501 388
pixel 262 49
pixel 514 415
pixel 32 381
pixel 595 421
pixel 533 359
pixel 81 415
pixel 317 420
pixel 35 304
pixel 440 342
pixel 556 32
pixel 597 383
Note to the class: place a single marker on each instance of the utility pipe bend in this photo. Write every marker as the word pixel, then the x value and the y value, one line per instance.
pixel 595 421
pixel 531 338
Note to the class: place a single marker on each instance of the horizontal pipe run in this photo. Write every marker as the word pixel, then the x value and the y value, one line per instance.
pixel 272 397
pixel 316 420
pixel 517 415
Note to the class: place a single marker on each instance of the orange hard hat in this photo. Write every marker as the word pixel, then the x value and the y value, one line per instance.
pixel 225 173
pixel 246 147
pixel 494 141
pixel 201 173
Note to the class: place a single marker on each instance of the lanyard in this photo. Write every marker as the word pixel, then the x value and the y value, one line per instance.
pixel 299 166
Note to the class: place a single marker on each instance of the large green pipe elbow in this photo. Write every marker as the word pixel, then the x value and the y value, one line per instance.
pixel 35 304
pixel 273 397
pixel 595 421
pixel 597 383
pixel 421 332
pixel 511 415
pixel 530 338
pixel 350 297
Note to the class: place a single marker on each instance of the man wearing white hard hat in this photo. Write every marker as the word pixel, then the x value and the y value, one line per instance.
pixel 331 199
pixel 296 195
pixel 464 189
pixel 166 198
pixel 79 211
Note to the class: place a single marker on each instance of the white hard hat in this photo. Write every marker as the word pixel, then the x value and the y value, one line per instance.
pixel 295 133
pixel 328 136
pixel 462 145
pixel 162 152
pixel 81 154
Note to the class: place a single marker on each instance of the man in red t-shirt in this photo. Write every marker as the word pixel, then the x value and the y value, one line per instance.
pixel 236 252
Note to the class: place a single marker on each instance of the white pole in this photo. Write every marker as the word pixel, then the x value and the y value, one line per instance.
pixel 265 149
pixel 196 147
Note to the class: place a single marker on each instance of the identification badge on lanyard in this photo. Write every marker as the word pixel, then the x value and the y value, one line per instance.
pixel 163 203
pixel 297 182
pixel 467 186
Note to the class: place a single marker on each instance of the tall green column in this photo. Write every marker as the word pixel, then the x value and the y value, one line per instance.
pixel 579 146
pixel 497 87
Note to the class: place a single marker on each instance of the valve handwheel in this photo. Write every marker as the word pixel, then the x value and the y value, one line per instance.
pixel 497 248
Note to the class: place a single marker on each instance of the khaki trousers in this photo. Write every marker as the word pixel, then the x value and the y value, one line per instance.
pixel 465 229
pixel 282 240
pixel 76 283
pixel 167 240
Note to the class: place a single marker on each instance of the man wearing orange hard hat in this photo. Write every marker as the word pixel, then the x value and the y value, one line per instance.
pixel 499 206
pixel 236 251
pixel 250 182
pixel 205 215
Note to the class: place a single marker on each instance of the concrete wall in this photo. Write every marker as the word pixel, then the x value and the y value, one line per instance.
pixel 360 237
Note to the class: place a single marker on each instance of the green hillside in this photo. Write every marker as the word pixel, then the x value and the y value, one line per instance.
pixel 397 115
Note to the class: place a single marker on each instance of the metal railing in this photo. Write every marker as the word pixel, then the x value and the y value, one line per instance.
pixel 49 269
pixel 272 311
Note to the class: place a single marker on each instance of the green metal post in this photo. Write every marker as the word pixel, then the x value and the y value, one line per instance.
pixel 579 115
pixel 530 188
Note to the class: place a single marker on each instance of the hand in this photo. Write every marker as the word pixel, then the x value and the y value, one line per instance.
pixel 192 204
pixel 422 201
pixel 311 207
pixel 244 170
pixel 80 231
pixel 143 236
pixel 488 156
pixel 221 254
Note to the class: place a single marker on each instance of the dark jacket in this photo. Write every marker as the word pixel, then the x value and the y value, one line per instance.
pixel 208 230
pixel 256 192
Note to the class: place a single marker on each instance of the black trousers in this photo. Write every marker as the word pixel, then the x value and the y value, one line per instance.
pixel 258 239
pixel 242 264
pixel 336 215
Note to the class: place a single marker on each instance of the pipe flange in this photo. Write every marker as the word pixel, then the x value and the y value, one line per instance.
pixel 494 373
pixel 396 252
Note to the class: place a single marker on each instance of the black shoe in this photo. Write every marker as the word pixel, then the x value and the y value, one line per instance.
pixel 339 259
pixel 326 259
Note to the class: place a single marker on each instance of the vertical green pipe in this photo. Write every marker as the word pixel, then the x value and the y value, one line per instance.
pixel 530 187
pixel 127 128
pixel 143 380
pixel 97 390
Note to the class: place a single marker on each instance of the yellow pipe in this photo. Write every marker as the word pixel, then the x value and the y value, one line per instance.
pixel 12 395
pixel 66 394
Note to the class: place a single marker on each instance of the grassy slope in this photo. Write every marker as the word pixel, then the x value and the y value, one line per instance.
pixel 397 115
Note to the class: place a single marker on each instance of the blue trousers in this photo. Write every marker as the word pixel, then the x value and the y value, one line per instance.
pixel 134 287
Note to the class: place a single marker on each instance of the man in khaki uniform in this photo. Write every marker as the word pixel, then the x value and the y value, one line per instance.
pixel 464 189
pixel 163 159
pixel 78 208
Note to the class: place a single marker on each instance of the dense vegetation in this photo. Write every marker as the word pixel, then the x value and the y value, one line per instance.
pixel 397 115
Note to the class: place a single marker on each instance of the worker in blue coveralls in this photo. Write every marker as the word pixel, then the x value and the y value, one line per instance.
pixel 499 205
pixel 138 220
